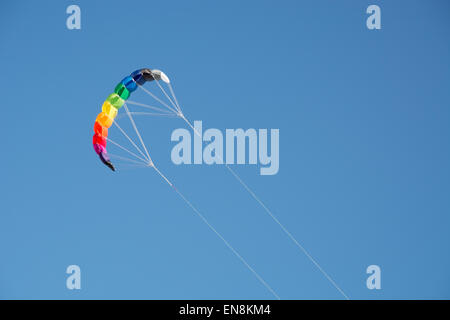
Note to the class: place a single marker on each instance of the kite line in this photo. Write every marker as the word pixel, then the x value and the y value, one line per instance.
pixel 116 100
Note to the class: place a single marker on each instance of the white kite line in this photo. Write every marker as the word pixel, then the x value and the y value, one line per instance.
pixel 176 110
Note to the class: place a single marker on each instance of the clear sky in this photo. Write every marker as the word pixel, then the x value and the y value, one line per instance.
pixel 364 150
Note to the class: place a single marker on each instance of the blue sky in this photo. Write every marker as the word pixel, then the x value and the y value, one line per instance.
pixel 364 150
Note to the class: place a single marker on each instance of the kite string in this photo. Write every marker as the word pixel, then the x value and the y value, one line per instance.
pixel 218 234
pixel 132 142
pixel 157 99
pixel 188 202
pixel 137 132
pixel 308 255
pixel 167 96
pixel 148 114
pixel 180 114
pixel 112 155
pixel 174 97
pixel 148 106
pixel 130 152
pixel 198 213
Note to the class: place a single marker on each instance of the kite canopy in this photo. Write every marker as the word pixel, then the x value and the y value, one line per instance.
pixel 114 102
